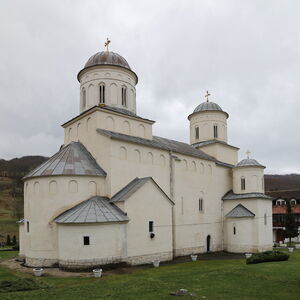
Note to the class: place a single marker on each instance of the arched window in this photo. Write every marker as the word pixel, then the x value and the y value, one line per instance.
pixel 83 99
pixel 293 202
pixel 102 93
pixel 243 183
pixel 215 131
pixel 197 132
pixel 124 96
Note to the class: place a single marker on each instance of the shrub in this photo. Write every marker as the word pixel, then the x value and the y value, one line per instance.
pixel 23 284
pixel 267 256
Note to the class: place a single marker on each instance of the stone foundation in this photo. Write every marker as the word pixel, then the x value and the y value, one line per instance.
pixel 88 263
pixel 248 248
pixel 40 262
pixel 147 259
pixel 189 251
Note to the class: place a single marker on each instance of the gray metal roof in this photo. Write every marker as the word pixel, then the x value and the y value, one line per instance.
pixel 249 162
pixel 207 106
pixel 132 187
pixel 107 58
pixel 110 108
pixel 72 159
pixel 161 143
pixel 231 196
pixel 240 211
pixel 94 210
pixel 209 142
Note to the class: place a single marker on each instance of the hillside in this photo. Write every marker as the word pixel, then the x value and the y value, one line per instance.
pixel 11 191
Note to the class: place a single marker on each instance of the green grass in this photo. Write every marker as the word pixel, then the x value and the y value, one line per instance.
pixel 215 279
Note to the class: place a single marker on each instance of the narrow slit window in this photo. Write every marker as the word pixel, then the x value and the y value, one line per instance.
pixel 102 93
pixel 265 219
pixel 86 240
pixel 124 96
pixel 150 226
pixel 243 183
pixel 200 204
pixel 234 230
pixel 27 226
pixel 215 131
pixel 197 132
pixel 83 98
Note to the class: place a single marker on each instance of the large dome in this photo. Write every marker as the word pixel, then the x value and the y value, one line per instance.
pixel 207 106
pixel 107 58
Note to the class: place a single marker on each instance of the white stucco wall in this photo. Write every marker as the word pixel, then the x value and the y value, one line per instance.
pixel 252 234
pixel 107 244
pixel 114 79
pixel 222 152
pixel 148 204
pixel 44 199
pixel 254 179
pixel 205 121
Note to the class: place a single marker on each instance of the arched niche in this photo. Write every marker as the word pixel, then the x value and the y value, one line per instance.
pixel 162 160
pixel 136 155
pixel 126 127
pixel 92 188
pixel 150 158
pixel 123 153
pixel 52 187
pixel 113 93
pixel 73 186
pixel 110 123
pixel 142 130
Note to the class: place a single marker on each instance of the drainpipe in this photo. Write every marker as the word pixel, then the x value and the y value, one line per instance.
pixel 172 185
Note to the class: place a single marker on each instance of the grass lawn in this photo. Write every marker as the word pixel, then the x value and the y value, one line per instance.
pixel 215 279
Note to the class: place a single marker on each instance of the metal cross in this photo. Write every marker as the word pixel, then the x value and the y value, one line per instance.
pixel 248 153
pixel 107 43
pixel 207 95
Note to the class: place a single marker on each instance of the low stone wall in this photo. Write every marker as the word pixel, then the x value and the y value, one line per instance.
pixel 147 259
pixel 40 262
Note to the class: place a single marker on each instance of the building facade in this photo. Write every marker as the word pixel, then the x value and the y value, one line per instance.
pixel 114 192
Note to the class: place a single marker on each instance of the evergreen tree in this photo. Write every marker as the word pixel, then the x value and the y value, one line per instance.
pixel 14 240
pixel 291 228
pixel 8 240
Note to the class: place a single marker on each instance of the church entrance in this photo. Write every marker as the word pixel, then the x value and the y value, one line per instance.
pixel 208 243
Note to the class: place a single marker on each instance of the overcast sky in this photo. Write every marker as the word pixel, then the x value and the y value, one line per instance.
pixel 246 53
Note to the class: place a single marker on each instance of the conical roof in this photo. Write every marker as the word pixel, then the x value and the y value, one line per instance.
pixel 72 159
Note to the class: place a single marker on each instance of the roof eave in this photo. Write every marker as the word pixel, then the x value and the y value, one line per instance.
pixel 106 65
pixel 209 110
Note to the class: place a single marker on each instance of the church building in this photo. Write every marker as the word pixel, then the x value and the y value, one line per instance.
pixel 115 193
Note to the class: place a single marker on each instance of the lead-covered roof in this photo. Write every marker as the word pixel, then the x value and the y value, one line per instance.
pixel 94 210
pixel 72 159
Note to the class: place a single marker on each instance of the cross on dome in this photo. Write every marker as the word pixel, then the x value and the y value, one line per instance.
pixel 248 153
pixel 207 95
pixel 107 43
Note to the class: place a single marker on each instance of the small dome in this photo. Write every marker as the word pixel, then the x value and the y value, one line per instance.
pixel 249 162
pixel 208 106
pixel 107 58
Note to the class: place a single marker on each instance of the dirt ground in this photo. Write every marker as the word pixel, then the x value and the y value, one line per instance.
pixel 56 272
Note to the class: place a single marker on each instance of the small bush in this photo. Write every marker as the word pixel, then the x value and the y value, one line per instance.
pixel 23 284
pixel 267 256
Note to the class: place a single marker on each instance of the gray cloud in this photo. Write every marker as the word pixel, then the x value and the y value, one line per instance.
pixel 246 53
